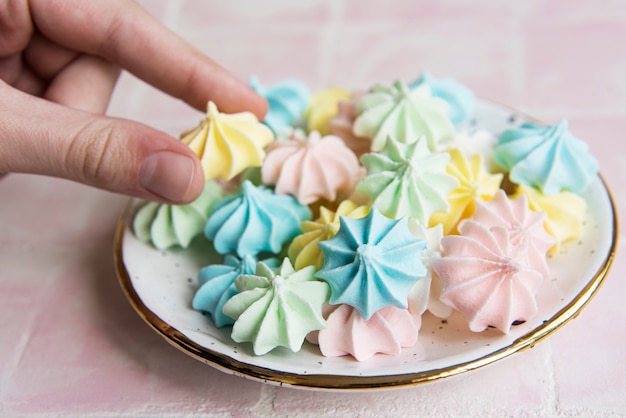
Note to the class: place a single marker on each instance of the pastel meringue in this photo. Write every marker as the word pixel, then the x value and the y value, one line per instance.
pixel 277 309
pixel 425 293
pixel 460 99
pixel 387 332
pixel 403 114
pixel 371 263
pixel 227 144
pixel 287 102
pixel 480 142
pixel 341 126
pixel 166 226
pixel 312 168
pixel 407 180
pixel 485 278
pixel 564 211
pixel 525 226
pixel 475 183
pixel 304 251
pixel 546 157
pixel 254 221
pixel 323 107
pixel 217 285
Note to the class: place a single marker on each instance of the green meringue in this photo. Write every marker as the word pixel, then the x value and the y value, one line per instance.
pixel 166 226
pixel 277 309
pixel 407 180
pixel 404 114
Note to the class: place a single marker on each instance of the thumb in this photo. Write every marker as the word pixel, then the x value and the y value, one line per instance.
pixel 40 137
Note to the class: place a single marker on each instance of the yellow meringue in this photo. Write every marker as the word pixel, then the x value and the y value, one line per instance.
pixel 304 251
pixel 564 212
pixel 227 144
pixel 323 107
pixel 474 183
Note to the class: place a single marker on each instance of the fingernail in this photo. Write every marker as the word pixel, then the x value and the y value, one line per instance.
pixel 167 174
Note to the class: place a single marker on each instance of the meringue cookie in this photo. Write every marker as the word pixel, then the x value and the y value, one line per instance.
pixel 526 227
pixel 323 107
pixel 386 332
pixel 461 100
pixel 485 278
pixel 277 309
pixel 341 126
pixel 425 293
pixel 371 263
pixel 228 144
pixel 166 226
pixel 403 114
pixel 304 251
pixel 475 183
pixel 407 180
pixel 255 220
pixel 287 102
pixel 546 157
pixel 217 285
pixel 480 142
pixel 564 211
pixel 312 168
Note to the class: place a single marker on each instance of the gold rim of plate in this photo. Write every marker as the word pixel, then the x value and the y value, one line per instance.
pixel 343 382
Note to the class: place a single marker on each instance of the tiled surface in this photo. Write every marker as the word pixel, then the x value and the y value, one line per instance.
pixel 70 343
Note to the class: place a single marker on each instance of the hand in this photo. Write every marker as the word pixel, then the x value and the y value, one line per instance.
pixel 58 65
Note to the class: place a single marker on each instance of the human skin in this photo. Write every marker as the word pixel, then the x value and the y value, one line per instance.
pixel 59 61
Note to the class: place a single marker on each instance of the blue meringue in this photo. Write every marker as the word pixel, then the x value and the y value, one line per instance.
pixel 217 285
pixel 254 221
pixel 372 263
pixel 548 158
pixel 461 100
pixel 288 100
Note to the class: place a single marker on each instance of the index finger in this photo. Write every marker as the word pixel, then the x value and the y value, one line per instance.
pixel 121 31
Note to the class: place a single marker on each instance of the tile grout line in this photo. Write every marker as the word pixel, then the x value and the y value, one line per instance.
pixel 328 41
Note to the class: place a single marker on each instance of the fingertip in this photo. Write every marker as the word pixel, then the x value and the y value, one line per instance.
pixel 170 176
pixel 260 107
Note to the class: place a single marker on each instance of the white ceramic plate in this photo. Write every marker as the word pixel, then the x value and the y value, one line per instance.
pixel 160 285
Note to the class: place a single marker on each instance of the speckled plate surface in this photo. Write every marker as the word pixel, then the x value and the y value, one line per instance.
pixel 160 285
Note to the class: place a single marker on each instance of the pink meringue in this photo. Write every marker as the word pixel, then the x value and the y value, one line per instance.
pixel 486 278
pixel 526 227
pixel 387 332
pixel 341 126
pixel 318 167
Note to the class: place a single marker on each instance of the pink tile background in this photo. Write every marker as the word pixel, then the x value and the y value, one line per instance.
pixel 72 346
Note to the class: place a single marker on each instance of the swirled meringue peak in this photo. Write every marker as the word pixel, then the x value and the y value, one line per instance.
pixel 407 180
pixel 425 293
pixel 372 262
pixel 277 309
pixel 486 278
pixel 323 107
pixel 217 285
pixel 227 144
pixel 404 114
pixel 564 211
pixel 387 332
pixel 475 183
pixel 526 227
pixel 287 102
pixel 312 168
pixel 254 221
pixel 461 100
pixel 304 251
pixel 166 226
pixel 546 157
